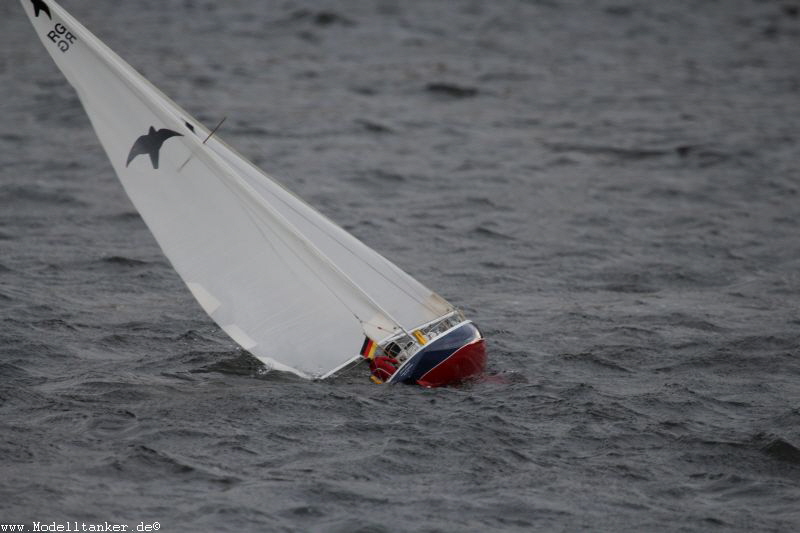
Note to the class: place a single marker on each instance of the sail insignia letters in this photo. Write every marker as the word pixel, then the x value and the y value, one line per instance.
pixel 61 36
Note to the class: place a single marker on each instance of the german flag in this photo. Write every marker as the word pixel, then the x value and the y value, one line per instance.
pixel 369 348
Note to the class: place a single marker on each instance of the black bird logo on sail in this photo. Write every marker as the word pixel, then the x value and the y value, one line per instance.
pixel 39 5
pixel 150 144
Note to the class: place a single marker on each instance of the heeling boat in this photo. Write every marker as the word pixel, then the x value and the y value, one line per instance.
pixel 282 280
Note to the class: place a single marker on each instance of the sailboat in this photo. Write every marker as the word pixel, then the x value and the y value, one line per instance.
pixel 283 281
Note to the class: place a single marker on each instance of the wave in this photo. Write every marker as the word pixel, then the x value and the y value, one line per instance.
pixel 780 449
pixel 121 261
pixel 38 194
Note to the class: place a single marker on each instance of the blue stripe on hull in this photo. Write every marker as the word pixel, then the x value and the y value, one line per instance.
pixel 435 352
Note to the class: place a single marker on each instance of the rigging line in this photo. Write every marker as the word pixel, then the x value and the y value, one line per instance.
pixel 204 142
pixel 321 279
pixel 422 302
pixel 253 214
pixel 363 261
pixel 215 129
pixel 253 195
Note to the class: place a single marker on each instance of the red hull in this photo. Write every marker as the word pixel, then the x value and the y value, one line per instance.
pixel 467 362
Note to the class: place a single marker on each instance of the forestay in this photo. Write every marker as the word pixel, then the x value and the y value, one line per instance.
pixel 282 280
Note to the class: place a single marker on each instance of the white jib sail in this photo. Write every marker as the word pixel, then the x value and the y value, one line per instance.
pixel 280 279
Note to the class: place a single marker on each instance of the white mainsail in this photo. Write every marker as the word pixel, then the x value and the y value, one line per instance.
pixel 280 279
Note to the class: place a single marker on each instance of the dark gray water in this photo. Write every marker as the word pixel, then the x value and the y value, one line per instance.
pixel 609 188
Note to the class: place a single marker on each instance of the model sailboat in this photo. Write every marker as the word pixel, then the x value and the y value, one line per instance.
pixel 284 282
